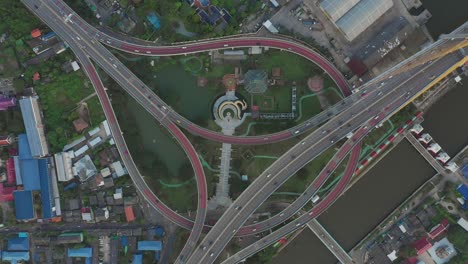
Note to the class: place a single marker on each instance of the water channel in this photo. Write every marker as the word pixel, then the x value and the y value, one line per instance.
pixel 387 184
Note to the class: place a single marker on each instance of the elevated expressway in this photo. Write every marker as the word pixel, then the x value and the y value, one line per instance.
pixel 321 207
pixel 82 54
pixel 256 228
pixel 137 46
pixel 129 77
pixel 317 142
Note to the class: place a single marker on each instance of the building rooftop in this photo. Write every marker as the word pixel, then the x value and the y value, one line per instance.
pixel 149 245
pixel 18 244
pixel 15 256
pixel 24 206
pixel 6 102
pixel 34 127
pixel 463 190
pixel 335 9
pixel 361 16
pixel 80 252
pixel 129 213
pixel 422 245
pixel 137 259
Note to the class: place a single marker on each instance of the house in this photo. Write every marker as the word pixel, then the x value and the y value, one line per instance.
pixel 35 33
pixel 36 76
pixel 5 140
pixel 86 214
pixel 422 245
pixel 32 117
pixel 213 15
pixel 102 214
pixel 118 169
pixel 129 213
pixel 438 229
pixel 108 182
pixel 74 204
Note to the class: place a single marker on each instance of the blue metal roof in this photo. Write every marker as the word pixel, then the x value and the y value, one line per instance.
pixel 465 171
pixel 13 257
pixel 80 252
pixel 463 190
pixel 24 207
pixel 33 124
pixel 154 20
pixel 23 145
pixel 30 174
pixel 137 259
pixel 28 166
pixel 46 190
pixel 18 244
pixel 149 245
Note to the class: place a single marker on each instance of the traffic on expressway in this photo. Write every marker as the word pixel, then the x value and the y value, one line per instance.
pixel 390 95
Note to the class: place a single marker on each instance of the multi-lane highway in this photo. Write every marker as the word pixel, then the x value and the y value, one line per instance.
pixel 299 155
pixel 79 48
pixel 349 119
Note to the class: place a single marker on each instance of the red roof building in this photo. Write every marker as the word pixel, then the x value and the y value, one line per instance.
pixel 6 193
pixel 439 229
pixel 36 76
pixel 129 213
pixel 422 245
pixel 35 33
pixel 5 140
pixel 11 173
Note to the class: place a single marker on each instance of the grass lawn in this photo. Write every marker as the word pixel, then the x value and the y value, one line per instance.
pixel 293 67
pixel 59 99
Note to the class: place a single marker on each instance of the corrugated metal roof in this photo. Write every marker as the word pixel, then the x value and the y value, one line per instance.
pixel 137 259
pixel 15 256
pixel 149 245
pixel 24 208
pixel 361 16
pixel 18 244
pixel 46 190
pixel 34 126
pixel 30 174
pixel 80 252
pixel 463 190
pixel 337 8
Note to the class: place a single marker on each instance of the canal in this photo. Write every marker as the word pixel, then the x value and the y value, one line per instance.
pixel 386 185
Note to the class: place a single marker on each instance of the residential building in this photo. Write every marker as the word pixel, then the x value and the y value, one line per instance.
pixel 129 213
pixel 32 118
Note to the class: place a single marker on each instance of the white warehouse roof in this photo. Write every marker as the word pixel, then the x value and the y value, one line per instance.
pixel 337 8
pixel 361 16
